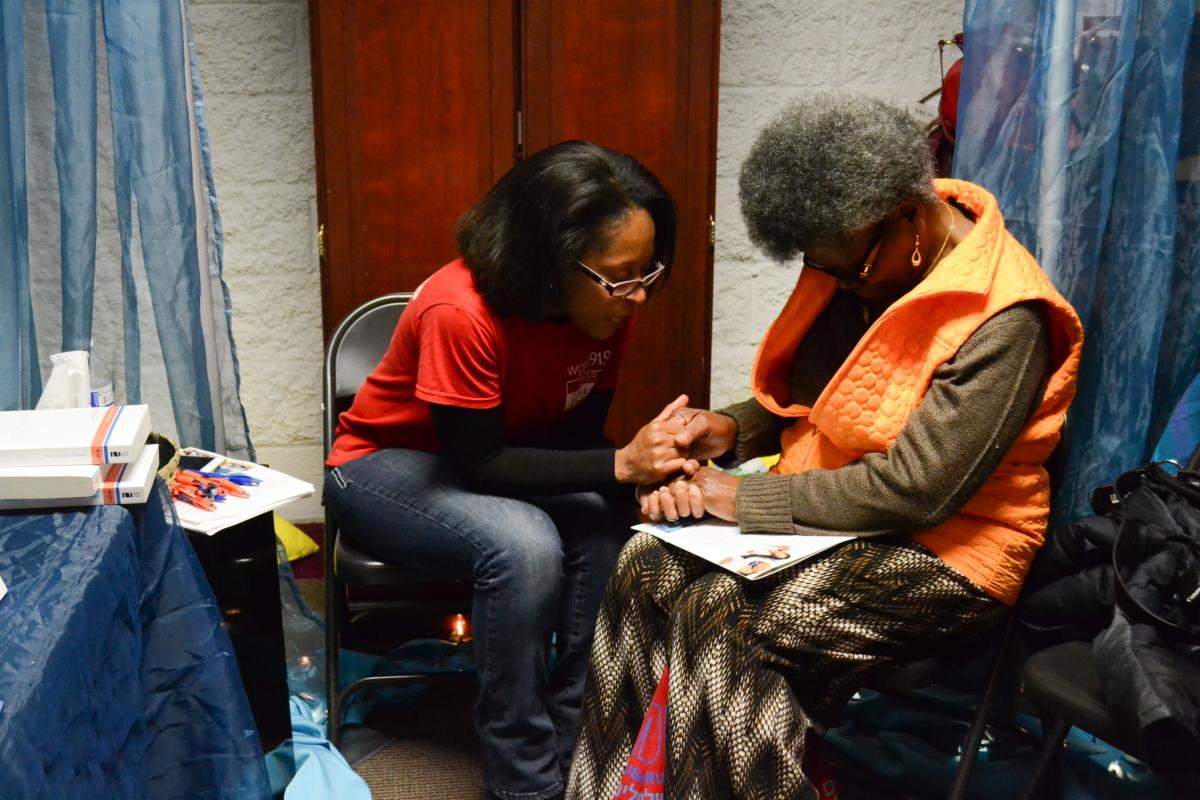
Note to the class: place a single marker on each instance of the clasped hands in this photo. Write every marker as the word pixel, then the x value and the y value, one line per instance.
pixel 665 459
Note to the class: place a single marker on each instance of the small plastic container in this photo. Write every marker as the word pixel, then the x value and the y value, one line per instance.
pixel 101 393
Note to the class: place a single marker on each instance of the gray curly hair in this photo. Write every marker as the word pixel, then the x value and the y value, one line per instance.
pixel 828 166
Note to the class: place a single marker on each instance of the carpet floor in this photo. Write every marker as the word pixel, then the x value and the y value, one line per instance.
pixel 428 750
pixel 434 755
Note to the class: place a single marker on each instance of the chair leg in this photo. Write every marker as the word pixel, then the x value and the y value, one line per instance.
pixel 334 601
pixel 966 764
pixel 332 628
pixel 1054 733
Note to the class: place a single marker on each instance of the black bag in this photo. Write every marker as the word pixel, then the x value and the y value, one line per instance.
pixel 1156 556
pixel 1127 580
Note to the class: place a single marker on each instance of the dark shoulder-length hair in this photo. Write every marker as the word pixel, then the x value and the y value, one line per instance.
pixel 550 209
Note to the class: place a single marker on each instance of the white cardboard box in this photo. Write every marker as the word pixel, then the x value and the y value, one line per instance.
pixel 41 483
pixel 120 484
pixel 70 436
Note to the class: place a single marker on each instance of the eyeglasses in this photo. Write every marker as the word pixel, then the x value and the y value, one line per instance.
pixel 843 274
pixel 624 288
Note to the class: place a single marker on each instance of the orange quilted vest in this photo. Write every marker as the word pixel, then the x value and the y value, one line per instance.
pixel 993 538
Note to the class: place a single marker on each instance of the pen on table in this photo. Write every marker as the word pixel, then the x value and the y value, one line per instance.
pixel 188 496
pixel 240 480
pixel 203 485
pixel 218 481
pixel 229 488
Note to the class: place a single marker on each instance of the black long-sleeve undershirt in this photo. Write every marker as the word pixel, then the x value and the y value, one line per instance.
pixel 575 457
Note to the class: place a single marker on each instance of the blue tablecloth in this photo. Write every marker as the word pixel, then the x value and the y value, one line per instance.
pixel 116 676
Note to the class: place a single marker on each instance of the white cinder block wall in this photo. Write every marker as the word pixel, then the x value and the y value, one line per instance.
pixel 772 52
pixel 254 67
pixel 254 62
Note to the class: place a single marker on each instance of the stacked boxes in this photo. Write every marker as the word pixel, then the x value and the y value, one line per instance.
pixel 76 457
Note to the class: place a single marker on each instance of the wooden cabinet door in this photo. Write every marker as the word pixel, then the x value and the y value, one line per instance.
pixel 416 107
pixel 639 76
pixel 415 114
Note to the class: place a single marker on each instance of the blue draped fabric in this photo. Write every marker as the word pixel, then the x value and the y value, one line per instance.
pixel 144 83
pixel 117 677
pixel 1071 113
pixel 1182 435
pixel 152 147
pixel 72 29
pixel 18 342
pixel 236 429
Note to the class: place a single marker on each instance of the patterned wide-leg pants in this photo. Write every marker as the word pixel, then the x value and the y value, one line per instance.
pixel 752 663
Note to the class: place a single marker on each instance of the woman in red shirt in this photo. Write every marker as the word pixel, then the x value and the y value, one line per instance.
pixel 476 446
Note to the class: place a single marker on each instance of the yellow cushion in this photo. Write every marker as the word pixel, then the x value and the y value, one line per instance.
pixel 296 543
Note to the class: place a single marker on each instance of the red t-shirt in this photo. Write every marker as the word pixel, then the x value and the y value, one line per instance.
pixel 450 348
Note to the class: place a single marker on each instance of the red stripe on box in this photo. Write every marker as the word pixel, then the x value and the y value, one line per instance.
pixel 98 453
pixel 112 484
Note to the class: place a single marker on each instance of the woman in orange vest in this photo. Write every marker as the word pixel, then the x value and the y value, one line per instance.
pixel 914 385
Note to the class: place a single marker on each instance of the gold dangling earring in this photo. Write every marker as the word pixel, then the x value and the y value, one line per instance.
pixel 916 256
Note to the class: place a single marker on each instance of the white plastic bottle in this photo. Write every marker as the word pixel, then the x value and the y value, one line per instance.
pixel 101 381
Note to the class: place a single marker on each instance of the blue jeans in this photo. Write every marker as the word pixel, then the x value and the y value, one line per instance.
pixel 539 567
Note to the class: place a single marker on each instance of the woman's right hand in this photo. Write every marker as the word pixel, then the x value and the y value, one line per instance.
pixel 705 434
pixel 654 454
pixel 707 491
pixel 671 501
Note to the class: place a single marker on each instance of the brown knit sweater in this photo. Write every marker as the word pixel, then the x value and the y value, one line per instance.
pixel 974 410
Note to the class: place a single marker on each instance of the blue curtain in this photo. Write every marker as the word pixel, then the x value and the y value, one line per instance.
pixel 20 379
pixel 1182 435
pixel 1083 118
pixel 124 95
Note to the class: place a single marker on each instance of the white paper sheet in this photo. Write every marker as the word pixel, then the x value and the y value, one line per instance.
pixel 750 555
pixel 275 490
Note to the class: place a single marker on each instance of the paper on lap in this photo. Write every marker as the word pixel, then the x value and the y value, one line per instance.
pixel 750 555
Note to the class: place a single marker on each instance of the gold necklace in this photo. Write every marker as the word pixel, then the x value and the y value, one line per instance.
pixel 945 241
pixel 866 311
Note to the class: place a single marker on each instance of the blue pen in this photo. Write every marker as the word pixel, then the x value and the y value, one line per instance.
pixel 240 480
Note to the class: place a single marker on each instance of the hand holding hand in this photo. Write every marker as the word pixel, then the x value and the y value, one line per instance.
pixel 707 491
pixel 653 455
pixel 705 434
pixel 719 490
pixel 671 501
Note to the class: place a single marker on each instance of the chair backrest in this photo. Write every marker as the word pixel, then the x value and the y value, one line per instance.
pixel 354 351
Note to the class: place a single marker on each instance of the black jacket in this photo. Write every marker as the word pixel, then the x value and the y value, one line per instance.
pixel 1133 604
